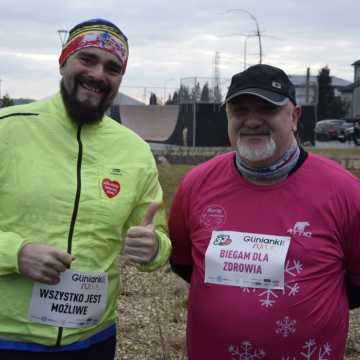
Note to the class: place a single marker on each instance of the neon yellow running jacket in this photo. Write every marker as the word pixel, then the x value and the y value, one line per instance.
pixel 52 191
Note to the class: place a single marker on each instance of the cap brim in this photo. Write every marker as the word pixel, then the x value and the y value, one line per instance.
pixel 272 97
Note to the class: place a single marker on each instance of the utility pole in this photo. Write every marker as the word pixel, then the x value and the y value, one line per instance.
pixel 307 86
pixel 194 118
pixel 216 75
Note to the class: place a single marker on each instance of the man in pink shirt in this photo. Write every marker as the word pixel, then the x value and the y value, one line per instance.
pixel 268 235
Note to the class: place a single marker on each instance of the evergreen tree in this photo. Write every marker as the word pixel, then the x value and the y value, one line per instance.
pixel 329 106
pixel 169 100
pixel 217 94
pixel 338 108
pixel 184 94
pixel 196 92
pixel 153 99
pixel 175 98
pixel 205 93
pixel 6 101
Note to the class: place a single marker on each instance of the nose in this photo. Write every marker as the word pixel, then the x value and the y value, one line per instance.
pixel 97 71
pixel 252 120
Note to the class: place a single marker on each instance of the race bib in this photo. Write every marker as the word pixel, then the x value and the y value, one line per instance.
pixel 77 301
pixel 246 259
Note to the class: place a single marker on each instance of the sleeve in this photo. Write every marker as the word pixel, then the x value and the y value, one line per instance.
pixel 10 244
pixel 351 218
pixel 179 229
pixel 352 250
pixel 184 271
pixel 353 294
pixel 152 192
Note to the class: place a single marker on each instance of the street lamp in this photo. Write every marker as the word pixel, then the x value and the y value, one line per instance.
pixel 258 34
pixel 63 36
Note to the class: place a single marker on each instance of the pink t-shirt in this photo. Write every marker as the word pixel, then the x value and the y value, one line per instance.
pixel 318 207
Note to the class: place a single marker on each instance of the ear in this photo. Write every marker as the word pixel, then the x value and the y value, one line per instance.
pixel 61 69
pixel 295 116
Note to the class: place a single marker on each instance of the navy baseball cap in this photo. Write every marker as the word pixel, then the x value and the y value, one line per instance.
pixel 265 81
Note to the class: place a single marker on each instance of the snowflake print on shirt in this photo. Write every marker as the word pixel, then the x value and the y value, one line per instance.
pixel 292 268
pixel 312 352
pixel 246 352
pixel 286 327
pixel 268 301
pixel 311 349
pixel 248 290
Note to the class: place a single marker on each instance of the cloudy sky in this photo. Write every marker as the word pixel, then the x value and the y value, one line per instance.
pixel 170 40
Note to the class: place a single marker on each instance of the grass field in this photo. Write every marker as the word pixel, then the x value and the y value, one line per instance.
pixel 337 153
pixel 152 311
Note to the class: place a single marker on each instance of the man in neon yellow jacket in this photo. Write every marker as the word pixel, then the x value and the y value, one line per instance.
pixel 76 189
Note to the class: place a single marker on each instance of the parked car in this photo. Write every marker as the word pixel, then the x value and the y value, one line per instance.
pixel 346 131
pixel 334 129
pixel 356 137
pixel 328 129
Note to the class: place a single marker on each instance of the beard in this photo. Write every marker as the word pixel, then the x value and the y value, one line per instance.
pixel 250 153
pixel 83 112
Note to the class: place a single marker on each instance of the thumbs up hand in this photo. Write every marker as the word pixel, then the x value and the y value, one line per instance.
pixel 141 244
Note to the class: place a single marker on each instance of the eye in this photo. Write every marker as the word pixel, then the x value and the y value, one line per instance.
pixel 114 69
pixel 238 110
pixel 86 60
pixel 269 109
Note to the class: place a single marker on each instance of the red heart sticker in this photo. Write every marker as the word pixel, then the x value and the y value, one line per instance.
pixel 111 188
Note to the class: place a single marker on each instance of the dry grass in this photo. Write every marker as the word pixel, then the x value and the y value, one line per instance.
pixel 152 318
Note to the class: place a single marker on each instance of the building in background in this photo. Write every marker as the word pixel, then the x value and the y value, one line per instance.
pixel 356 91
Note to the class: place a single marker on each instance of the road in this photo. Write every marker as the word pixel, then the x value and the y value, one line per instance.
pixel 335 145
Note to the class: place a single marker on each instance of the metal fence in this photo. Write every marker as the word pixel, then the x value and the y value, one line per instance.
pixel 190 90
pixel 206 90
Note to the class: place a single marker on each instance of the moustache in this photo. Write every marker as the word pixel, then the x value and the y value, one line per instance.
pixel 263 132
pixel 90 82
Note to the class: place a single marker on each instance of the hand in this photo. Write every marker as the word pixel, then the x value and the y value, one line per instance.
pixel 43 263
pixel 141 244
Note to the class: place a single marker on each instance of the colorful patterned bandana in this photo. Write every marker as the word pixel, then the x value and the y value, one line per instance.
pixel 273 172
pixel 100 34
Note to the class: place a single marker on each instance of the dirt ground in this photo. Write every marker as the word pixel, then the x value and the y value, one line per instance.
pixel 152 318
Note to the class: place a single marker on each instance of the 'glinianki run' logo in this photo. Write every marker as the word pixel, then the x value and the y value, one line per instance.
pixel 222 240
pixel 299 229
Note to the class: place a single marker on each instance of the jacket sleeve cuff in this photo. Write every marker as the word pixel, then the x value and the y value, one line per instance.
pixel 10 245
pixel 162 256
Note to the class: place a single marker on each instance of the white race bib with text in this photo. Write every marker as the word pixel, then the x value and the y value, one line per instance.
pixel 77 301
pixel 246 259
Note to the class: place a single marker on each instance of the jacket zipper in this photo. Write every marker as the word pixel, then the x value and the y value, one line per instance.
pixel 75 210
